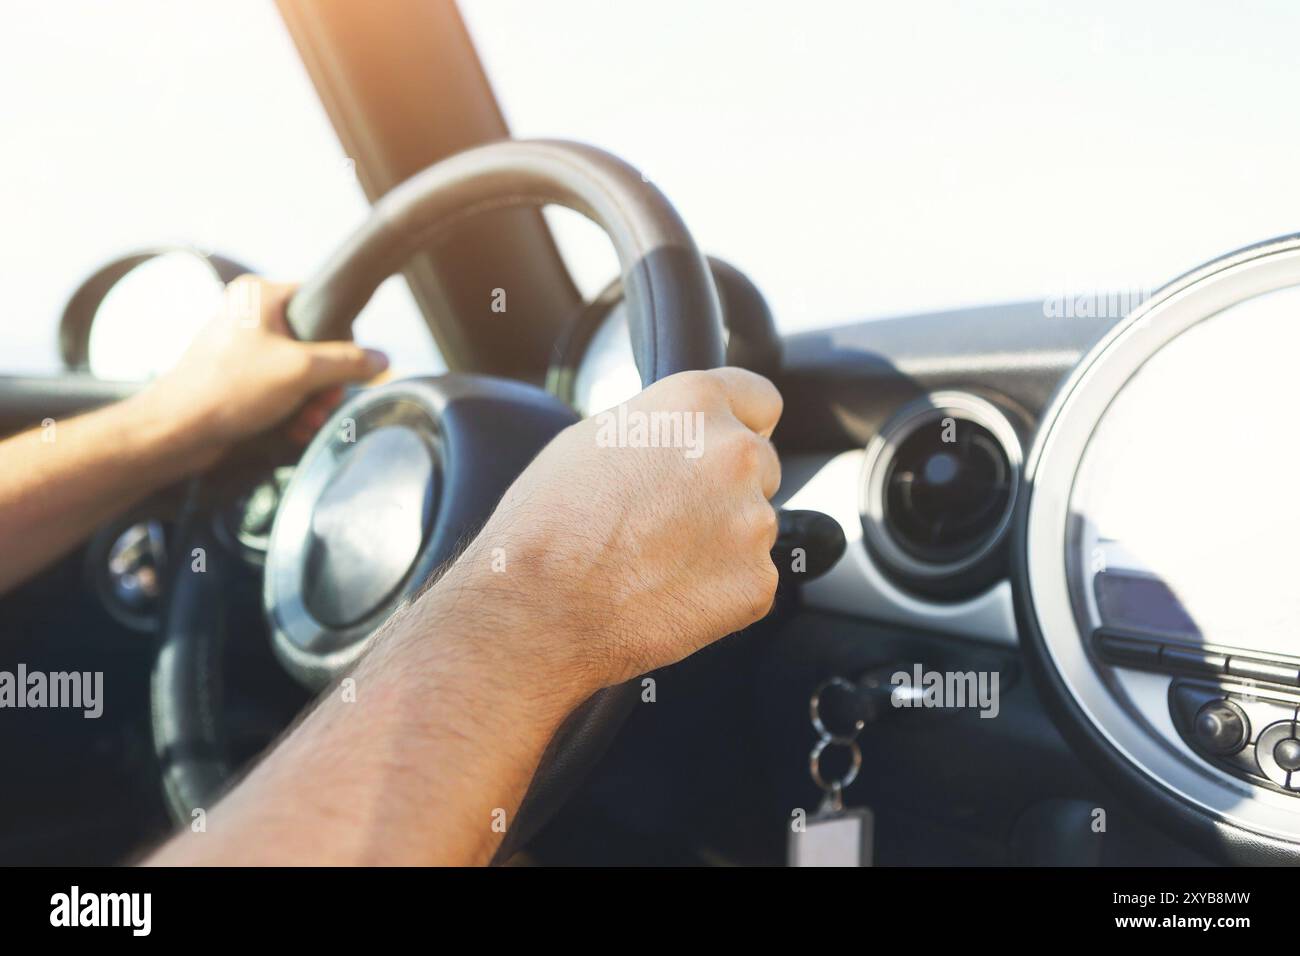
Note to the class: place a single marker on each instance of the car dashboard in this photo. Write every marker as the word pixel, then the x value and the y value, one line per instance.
pixel 713 772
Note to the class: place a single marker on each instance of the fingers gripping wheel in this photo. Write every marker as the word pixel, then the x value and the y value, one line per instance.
pixel 404 473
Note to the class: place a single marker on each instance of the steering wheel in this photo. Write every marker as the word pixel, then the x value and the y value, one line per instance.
pixel 404 474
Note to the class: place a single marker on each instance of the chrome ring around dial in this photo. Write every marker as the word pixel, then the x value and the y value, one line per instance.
pixel 1127 707
pixel 351 538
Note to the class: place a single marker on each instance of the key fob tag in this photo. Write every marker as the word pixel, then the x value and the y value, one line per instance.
pixel 833 838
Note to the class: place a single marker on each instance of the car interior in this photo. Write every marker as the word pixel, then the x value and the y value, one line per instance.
pixel 1036 606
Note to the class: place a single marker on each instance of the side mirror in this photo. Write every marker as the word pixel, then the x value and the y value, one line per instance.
pixel 133 317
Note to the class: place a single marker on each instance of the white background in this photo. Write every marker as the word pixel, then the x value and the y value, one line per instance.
pixel 863 159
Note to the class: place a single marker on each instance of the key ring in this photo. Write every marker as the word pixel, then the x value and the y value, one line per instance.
pixel 815 711
pixel 834 789
pixel 815 765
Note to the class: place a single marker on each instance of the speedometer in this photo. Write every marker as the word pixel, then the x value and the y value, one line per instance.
pixel 1156 552
pixel 595 369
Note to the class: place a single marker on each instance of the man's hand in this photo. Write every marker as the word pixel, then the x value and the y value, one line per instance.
pixel 635 557
pixel 245 373
pixel 600 563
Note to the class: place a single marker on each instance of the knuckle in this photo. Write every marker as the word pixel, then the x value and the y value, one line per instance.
pixel 700 389
pixel 773 393
pixel 765 523
pixel 744 451
pixel 303 365
pixel 778 401
pixel 763 590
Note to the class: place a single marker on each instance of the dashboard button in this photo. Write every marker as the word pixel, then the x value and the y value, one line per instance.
pixel 1279 736
pixel 1269 671
pixel 1221 727
pixel 1287 754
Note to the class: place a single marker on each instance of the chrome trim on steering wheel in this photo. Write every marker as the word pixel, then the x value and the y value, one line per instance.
pixel 351 540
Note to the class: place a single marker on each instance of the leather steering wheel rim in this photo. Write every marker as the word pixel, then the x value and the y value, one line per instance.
pixel 675 325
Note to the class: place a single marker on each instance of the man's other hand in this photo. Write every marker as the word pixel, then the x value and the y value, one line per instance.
pixel 245 373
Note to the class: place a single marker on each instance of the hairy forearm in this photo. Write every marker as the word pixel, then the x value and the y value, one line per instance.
pixel 60 481
pixel 244 373
pixel 424 759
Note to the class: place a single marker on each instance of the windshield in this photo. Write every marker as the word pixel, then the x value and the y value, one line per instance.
pixel 874 159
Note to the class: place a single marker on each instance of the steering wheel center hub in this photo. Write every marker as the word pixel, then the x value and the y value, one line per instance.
pixel 354 532
pixel 368 525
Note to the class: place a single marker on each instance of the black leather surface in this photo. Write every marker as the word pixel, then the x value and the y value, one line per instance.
pixel 752 339
pixel 185 690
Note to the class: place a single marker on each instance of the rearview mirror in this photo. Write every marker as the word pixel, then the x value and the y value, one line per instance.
pixel 134 317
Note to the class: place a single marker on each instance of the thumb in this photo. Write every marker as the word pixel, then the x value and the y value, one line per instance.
pixel 339 363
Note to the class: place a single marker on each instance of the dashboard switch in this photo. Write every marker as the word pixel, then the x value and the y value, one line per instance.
pixel 1122 649
pixel 1287 754
pixel 808 544
pixel 1277 743
pixel 1221 727
pixel 1270 671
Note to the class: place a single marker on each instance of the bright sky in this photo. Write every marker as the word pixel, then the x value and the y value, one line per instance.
pixel 857 159
pixel 861 159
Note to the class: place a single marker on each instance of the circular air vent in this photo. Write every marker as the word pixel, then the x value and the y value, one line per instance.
pixel 939 484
